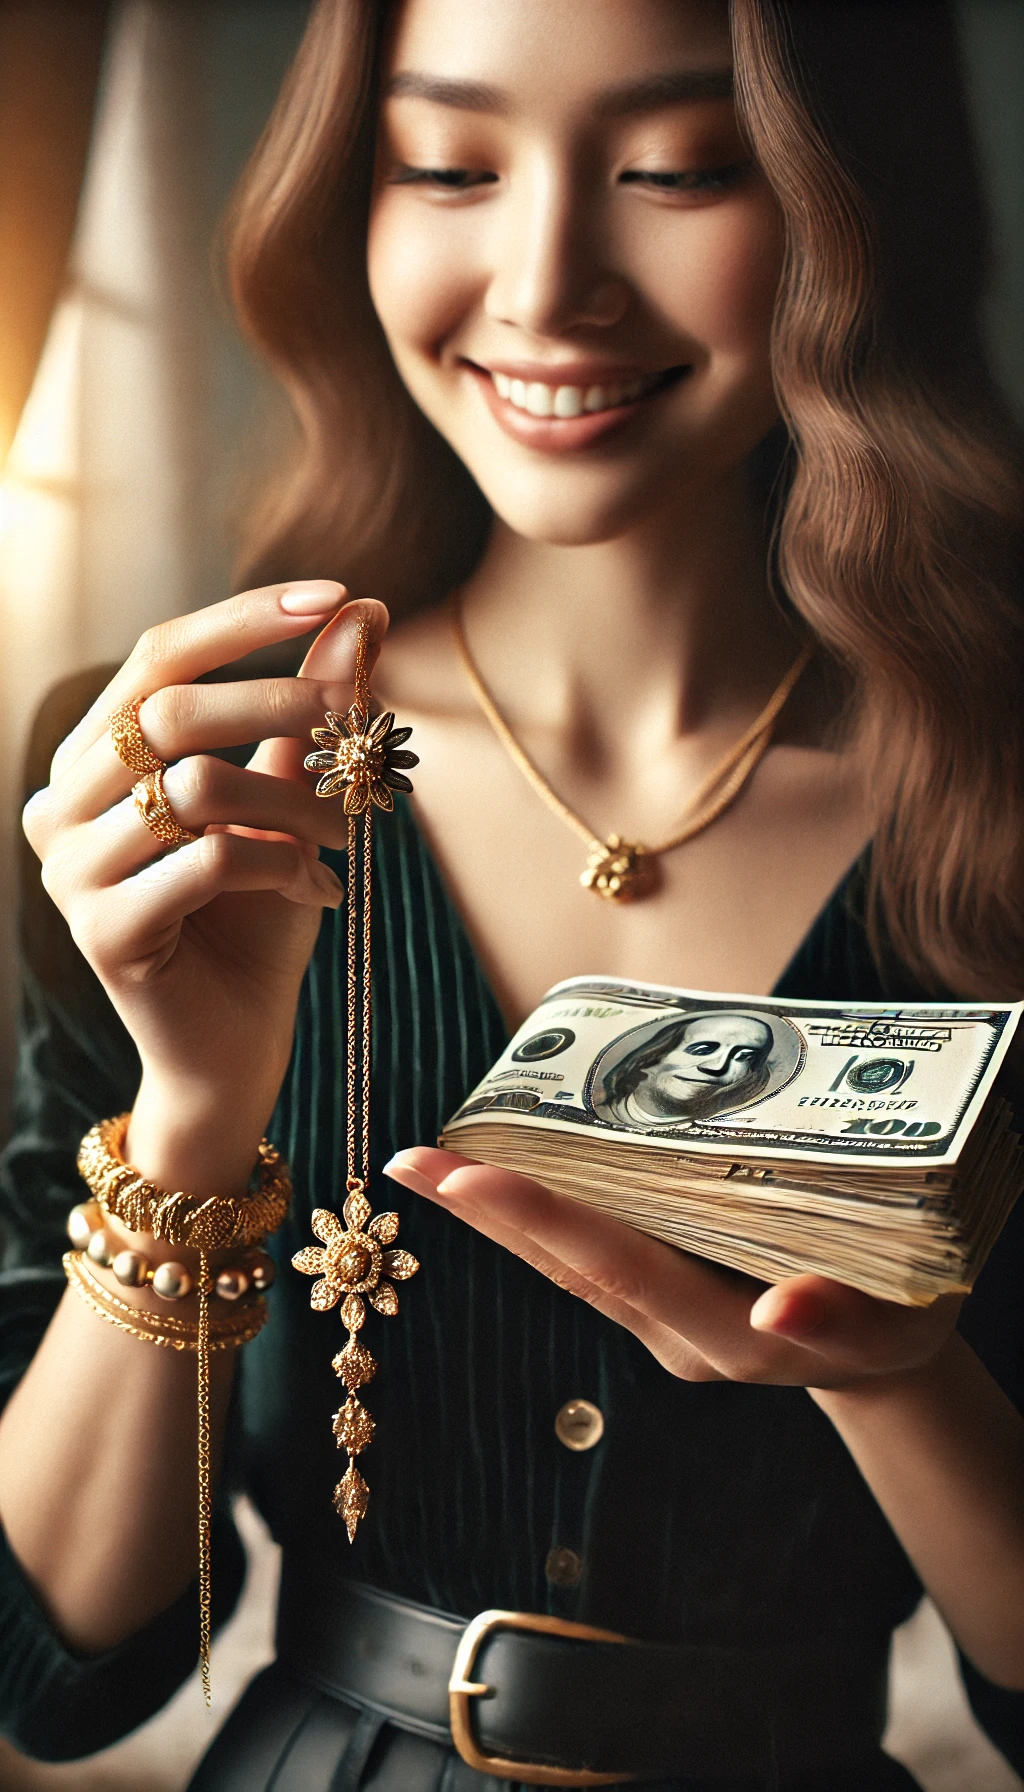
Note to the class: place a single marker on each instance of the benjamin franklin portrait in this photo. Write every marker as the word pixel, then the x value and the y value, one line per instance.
pixel 690 1069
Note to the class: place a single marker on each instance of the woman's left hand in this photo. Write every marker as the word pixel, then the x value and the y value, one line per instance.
pixel 703 1323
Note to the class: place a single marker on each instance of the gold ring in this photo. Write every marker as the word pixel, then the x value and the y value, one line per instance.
pixel 153 805
pixel 129 742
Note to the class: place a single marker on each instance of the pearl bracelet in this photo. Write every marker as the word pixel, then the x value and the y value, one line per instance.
pixel 171 1281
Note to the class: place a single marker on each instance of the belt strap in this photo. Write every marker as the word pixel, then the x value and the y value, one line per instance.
pixel 624 1709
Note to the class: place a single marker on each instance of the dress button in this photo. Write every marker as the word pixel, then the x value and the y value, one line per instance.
pixel 563 1568
pixel 579 1425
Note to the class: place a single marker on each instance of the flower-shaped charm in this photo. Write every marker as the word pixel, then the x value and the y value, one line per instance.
pixel 618 870
pixel 354 1261
pixel 362 758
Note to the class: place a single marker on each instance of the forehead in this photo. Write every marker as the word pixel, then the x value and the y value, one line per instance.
pixel 557 51
pixel 730 1029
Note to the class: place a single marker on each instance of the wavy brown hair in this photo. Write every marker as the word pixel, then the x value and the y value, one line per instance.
pixel 898 525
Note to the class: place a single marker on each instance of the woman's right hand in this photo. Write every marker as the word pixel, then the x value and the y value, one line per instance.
pixel 202 950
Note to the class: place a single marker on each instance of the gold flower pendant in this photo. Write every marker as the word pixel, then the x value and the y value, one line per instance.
pixel 355 1261
pixel 362 758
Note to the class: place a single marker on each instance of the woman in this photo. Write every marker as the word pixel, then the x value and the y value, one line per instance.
pixel 599 266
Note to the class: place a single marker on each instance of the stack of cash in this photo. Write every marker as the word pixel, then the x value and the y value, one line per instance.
pixel 850 1140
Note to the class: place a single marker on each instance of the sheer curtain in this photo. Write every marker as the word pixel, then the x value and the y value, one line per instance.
pixel 115 496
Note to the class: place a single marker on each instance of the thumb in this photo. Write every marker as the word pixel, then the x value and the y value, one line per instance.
pixel 332 661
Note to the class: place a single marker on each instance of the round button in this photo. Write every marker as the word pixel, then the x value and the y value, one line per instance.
pixel 563 1567
pixel 579 1425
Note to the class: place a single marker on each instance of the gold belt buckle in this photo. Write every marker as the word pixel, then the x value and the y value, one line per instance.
pixel 462 1688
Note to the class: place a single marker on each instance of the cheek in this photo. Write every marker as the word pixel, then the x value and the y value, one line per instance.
pixel 418 275
pixel 719 288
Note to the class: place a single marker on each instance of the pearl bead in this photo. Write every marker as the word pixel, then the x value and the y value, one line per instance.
pixel 131 1269
pixel 231 1284
pixel 172 1281
pixel 98 1249
pixel 263 1274
pixel 83 1221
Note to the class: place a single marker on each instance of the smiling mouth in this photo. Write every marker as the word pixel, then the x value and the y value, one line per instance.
pixel 536 398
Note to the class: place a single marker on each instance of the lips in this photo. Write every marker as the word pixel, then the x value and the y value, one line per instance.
pixel 559 415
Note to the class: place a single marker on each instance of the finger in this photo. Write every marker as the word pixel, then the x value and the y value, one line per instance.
pixel 178 651
pixel 332 661
pixel 655 1278
pixel 665 1344
pixel 853 1329
pixel 142 917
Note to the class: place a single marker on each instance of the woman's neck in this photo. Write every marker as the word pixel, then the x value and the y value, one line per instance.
pixel 642 639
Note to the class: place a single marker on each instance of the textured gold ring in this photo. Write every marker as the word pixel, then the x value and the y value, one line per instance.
pixel 154 807
pixel 129 742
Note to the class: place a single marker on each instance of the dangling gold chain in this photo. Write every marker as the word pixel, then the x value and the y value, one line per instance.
pixel 363 758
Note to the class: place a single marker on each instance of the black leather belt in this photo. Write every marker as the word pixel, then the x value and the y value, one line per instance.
pixel 550 1703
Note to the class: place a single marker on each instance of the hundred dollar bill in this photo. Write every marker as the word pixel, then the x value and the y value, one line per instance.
pixel 749 1077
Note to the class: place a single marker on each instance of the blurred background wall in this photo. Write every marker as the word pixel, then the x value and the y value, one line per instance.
pixel 136 415
pixel 142 406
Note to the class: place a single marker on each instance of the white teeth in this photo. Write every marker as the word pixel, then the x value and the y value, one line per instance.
pixel 540 400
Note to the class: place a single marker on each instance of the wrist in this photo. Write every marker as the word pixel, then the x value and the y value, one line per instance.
pixel 893 1388
pixel 202 1141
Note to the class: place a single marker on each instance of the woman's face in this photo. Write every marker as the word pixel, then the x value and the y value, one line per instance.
pixel 572 258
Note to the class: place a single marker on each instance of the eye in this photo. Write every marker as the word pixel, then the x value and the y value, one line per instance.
pixel 686 180
pixel 451 180
pixel 702 1048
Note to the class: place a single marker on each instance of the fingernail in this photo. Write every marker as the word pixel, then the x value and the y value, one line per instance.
pixel 411 1179
pixel 317 597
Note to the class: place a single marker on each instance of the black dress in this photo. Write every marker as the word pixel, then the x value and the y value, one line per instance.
pixel 712 1513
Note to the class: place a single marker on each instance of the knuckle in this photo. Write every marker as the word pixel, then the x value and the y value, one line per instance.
pixel 160 642
pixel 218 854
pixel 167 713
pixel 35 819
pixel 198 779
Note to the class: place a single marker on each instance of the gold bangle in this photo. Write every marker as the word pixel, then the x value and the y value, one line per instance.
pixel 211 1225
pixel 129 742
pixel 154 807
pixel 166 1329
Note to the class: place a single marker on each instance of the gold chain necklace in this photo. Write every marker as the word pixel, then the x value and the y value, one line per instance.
pixel 623 870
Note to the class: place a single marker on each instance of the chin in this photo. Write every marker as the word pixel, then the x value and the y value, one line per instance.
pixel 545 506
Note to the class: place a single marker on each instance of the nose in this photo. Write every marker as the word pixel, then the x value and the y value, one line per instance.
pixel 717 1065
pixel 549 275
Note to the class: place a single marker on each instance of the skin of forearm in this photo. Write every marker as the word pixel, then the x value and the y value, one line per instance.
pixel 98 1474
pixel 942 1450
pixel 98 1444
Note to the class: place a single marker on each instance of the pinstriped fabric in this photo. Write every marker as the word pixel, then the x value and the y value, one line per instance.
pixel 715 1511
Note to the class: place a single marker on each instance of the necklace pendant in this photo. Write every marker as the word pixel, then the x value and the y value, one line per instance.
pixel 620 870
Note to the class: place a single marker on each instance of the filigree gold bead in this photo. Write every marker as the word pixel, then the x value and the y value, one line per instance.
pixel 172 1281
pixel 83 1221
pixel 131 1269
pixel 231 1284
pixel 98 1250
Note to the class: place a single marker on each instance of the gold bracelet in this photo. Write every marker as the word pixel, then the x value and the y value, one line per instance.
pixel 210 1225
pixel 166 1329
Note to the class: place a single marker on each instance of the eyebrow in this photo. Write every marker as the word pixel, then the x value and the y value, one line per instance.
pixel 646 95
